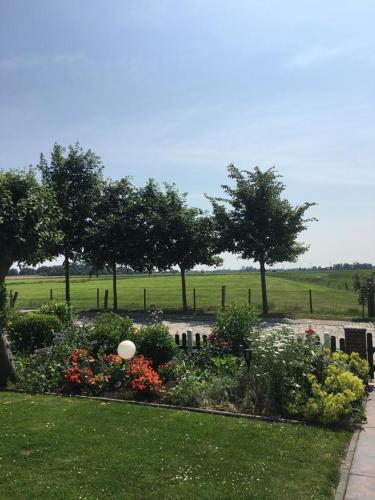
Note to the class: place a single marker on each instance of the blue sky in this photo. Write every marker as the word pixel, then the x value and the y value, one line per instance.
pixel 178 90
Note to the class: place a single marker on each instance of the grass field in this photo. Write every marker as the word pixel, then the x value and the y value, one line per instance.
pixel 63 448
pixel 288 292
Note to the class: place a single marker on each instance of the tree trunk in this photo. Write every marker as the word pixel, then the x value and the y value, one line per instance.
pixel 7 370
pixel 264 288
pixel 114 283
pixel 5 265
pixel 67 278
pixel 183 285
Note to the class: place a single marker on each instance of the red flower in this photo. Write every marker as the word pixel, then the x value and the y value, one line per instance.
pixel 142 376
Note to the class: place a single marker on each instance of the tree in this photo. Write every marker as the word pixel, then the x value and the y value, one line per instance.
pixel 76 180
pixel 114 237
pixel 259 224
pixel 29 220
pixel 180 235
pixel 360 285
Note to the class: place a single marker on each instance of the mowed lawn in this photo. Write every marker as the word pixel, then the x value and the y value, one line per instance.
pixel 66 448
pixel 288 293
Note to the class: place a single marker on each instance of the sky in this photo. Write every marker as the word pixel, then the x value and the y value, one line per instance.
pixel 179 90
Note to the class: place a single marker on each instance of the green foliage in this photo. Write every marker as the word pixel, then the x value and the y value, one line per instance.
pixel 29 220
pixel 175 234
pixel 40 371
pixel 338 397
pixel 156 342
pixel 280 360
pixel 60 309
pixel 75 178
pixel 32 331
pixel 336 389
pixel 226 365
pixel 189 391
pixel 236 324
pixel 114 236
pixel 108 330
pixel 260 224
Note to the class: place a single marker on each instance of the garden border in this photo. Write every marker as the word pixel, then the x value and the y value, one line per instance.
pixel 168 407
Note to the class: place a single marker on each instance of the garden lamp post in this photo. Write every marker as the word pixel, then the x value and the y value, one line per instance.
pixel 248 356
pixel 126 349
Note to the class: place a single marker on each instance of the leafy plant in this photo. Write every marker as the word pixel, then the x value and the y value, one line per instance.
pixel 62 310
pixel 235 325
pixel 156 343
pixel 108 330
pixel 32 331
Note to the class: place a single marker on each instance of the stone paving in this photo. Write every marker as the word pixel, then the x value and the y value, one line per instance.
pixel 361 483
pixel 203 325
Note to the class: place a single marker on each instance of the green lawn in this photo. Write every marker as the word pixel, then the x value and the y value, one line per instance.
pixel 62 448
pixel 288 293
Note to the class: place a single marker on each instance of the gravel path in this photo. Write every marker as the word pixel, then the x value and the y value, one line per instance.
pixel 203 325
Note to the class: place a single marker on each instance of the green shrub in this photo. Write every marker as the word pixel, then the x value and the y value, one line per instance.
pixel 32 331
pixel 188 391
pixel 236 324
pixel 40 372
pixel 108 330
pixel 60 309
pixel 156 342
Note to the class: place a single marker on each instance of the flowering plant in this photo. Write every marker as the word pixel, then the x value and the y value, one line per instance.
pixel 143 378
pixel 87 373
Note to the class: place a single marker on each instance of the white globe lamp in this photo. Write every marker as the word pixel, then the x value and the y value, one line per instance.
pixel 126 349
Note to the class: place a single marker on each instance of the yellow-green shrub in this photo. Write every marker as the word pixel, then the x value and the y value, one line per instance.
pixel 339 396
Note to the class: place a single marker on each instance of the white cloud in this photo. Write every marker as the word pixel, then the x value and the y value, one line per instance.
pixel 314 56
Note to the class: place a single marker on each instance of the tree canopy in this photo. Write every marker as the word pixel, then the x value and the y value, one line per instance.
pixel 257 223
pixel 178 235
pixel 75 176
pixel 114 237
pixel 29 220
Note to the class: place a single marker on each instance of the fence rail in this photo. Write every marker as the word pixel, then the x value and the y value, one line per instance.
pixel 307 301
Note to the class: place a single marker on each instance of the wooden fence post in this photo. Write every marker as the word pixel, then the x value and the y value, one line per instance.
pixel 333 343
pixel 189 342
pixel 370 354
pixel 184 341
pixel 106 299
pixel 145 299
pixel 194 300
pixel 342 345
pixel 97 298
pixel 327 340
pixel 310 300
pixel 370 298
pixel 223 297
pixel 51 294
pixel 197 341
pixel 249 296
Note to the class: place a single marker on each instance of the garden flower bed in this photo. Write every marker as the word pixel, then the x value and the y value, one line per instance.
pixel 287 376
